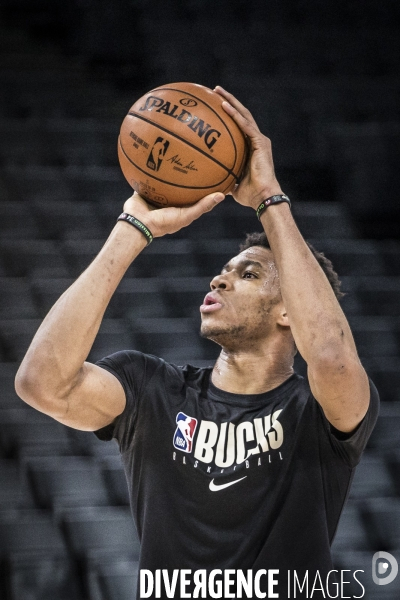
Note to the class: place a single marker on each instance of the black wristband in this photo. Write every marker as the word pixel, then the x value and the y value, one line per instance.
pixel 138 224
pixel 272 200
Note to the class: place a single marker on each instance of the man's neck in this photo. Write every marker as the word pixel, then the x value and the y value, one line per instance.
pixel 252 371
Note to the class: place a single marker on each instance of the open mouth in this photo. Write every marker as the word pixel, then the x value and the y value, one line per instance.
pixel 210 304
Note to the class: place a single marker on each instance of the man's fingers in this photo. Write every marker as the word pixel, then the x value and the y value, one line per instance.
pixel 240 113
pixel 249 127
pixel 170 219
pixel 234 102
pixel 190 213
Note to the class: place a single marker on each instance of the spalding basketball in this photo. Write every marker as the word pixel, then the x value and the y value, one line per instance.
pixel 177 144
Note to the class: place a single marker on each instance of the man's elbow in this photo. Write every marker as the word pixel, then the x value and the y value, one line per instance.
pixel 336 356
pixel 30 388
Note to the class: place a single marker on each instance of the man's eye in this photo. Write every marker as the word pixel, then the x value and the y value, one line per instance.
pixel 249 275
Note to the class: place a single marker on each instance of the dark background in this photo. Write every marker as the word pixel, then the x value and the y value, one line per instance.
pixel 322 81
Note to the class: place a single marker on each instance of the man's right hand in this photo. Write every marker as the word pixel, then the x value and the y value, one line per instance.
pixel 161 221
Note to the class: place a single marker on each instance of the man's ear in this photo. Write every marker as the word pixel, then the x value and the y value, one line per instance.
pixel 282 316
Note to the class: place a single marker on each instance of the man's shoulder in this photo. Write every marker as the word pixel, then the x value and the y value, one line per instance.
pixel 151 365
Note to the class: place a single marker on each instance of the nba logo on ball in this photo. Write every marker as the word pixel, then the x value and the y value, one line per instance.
pixel 183 436
pixel 157 153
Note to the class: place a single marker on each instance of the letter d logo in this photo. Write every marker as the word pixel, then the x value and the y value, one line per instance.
pixel 380 565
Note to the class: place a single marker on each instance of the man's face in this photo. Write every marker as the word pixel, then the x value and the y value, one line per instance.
pixel 244 301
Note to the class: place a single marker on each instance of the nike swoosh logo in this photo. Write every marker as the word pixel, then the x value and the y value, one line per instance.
pixel 216 488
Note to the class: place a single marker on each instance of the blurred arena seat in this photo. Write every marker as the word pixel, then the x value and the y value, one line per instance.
pixel 115 479
pixel 391 256
pixel 113 335
pixel 383 516
pixel 67 218
pixel 113 580
pixel 351 531
pixel 56 142
pixel 373 478
pixel 46 291
pixel 34 258
pixel 30 182
pixel 87 444
pixel 183 295
pixel 15 491
pixel 393 461
pixel 22 427
pixel 16 300
pixel 158 336
pixel 80 253
pixel 96 532
pixel 67 481
pixel 16 335
pixel 385 373
pixel 101 184
pixel 138 295
pixel 48 576
pixel 35 557
pixel 352 257
pixel 375 335
pixel 169 258
pixel 323 220
pixel 212 256
pixel 17 220
pixel 386 432
pixel 379 295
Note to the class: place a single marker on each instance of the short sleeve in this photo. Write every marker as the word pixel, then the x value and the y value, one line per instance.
pixel 132 369
pixel 351 446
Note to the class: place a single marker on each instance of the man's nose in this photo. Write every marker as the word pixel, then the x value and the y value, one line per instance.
pixel 221 282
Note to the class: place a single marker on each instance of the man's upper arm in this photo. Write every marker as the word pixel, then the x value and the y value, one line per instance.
pixel 342 390
pixel 95 401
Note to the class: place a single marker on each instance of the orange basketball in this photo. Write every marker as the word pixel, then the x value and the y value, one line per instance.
pixel 177 144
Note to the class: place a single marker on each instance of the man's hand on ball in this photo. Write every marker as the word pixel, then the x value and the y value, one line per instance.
pixel 259 181
pixel 170 219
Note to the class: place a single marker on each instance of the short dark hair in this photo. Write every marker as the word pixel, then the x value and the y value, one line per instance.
pixel 260 239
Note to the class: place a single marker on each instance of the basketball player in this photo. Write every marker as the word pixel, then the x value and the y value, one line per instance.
pixel 246 465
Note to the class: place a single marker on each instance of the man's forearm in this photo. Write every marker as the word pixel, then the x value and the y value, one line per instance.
pixel 66 335
pixel 319 327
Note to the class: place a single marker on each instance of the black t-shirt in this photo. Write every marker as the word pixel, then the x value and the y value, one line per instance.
pixel 228 481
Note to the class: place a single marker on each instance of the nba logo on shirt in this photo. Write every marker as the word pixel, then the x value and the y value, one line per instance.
pixel 183 436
